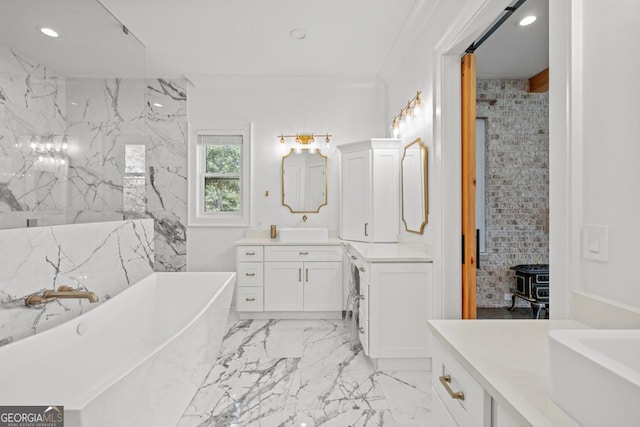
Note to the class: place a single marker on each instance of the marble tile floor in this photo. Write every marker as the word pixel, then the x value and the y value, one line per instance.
pixel 304 373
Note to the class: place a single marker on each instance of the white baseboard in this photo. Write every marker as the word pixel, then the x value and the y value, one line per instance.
pixel 290 315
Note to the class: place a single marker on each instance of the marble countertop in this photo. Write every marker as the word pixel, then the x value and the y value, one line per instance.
pixel 510 360
pixel 391 252
pixel 267 241
pixel 370 252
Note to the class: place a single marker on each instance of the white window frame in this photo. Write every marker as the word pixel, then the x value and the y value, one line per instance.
pixel 197 171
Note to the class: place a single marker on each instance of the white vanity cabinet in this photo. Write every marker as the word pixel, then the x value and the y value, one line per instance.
pixel 303 278
pixel 289 278
pixel 494 373
pixel 250 278
pixel 370 201
pixel 461 398
pixel 394 308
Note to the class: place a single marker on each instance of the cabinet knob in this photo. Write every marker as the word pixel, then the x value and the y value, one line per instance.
pixel 361 297
pixel 250 274
pixel 303 253
pixel 249 299
pixel 362 269
pixel 250 253
pixel 354 257
pixel 361 329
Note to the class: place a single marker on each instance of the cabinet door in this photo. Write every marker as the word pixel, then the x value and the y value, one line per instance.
pixel 322 286
pixel 356 196
pixel 283 286
pixel 399 307
pixel 440 414
pixel 385 196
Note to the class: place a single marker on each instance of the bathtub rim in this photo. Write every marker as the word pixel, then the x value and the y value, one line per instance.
pixel 77 404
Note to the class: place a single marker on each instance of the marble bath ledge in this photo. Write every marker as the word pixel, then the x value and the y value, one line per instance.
pixel 135 360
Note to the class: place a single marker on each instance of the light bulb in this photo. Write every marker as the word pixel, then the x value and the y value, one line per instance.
pixel 527 20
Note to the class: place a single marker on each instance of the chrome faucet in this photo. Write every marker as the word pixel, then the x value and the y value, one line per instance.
pixel 62 292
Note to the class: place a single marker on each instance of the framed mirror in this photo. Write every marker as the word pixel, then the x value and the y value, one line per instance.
pixel 304 181
pixel 415 200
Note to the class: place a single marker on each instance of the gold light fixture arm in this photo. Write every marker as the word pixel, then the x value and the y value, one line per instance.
pixel 306 138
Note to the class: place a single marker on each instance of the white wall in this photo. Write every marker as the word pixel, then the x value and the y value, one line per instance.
pixel 426 57
pixel 349 108
pixel 598 149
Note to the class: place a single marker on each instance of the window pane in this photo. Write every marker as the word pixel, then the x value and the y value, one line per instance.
pixel 223 158
pixel 222 194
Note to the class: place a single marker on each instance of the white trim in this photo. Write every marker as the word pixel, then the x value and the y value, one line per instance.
pixel 565 152
pixel 447 153
pixel 196 215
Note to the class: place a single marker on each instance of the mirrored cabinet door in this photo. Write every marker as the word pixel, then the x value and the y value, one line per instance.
pixel 304 181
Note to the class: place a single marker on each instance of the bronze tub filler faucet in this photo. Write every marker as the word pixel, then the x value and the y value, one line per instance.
pixel 62 292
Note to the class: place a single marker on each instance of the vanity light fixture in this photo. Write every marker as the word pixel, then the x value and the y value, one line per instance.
pixel 305 141
pixel 407 114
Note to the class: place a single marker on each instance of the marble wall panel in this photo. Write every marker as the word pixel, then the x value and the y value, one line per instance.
pixel 100 118
pixel 104 258
pixel 104 182
pixel 32 102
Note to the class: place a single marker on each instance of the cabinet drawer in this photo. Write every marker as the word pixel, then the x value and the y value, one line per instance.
pixel 249 298
pixel 250 274
pixel 474 410
pixel 303 253
pixel 249 253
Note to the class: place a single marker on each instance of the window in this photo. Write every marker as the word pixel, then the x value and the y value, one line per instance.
pixel 222 178
pixel 219 176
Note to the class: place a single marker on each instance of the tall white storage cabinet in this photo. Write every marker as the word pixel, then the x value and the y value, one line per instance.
pixel 370 190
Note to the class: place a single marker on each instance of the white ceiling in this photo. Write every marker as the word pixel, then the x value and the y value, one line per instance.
pixel 241 37
pixel 91 42
pixel 252 37
pixel 515 52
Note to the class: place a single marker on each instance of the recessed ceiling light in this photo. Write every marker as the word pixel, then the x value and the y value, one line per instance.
pixel 47 31
pixel 157 104
pixel 297 34
pixel 527 20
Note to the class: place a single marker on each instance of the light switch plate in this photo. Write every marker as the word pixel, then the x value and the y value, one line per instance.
pixel 595 242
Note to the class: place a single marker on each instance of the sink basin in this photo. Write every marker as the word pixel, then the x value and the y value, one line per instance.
pixel 595 375
pixel 303 235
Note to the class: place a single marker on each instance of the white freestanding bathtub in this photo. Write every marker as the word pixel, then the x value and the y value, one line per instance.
pixel 136 360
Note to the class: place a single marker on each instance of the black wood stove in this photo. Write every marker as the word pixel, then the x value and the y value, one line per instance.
pixel 532 284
